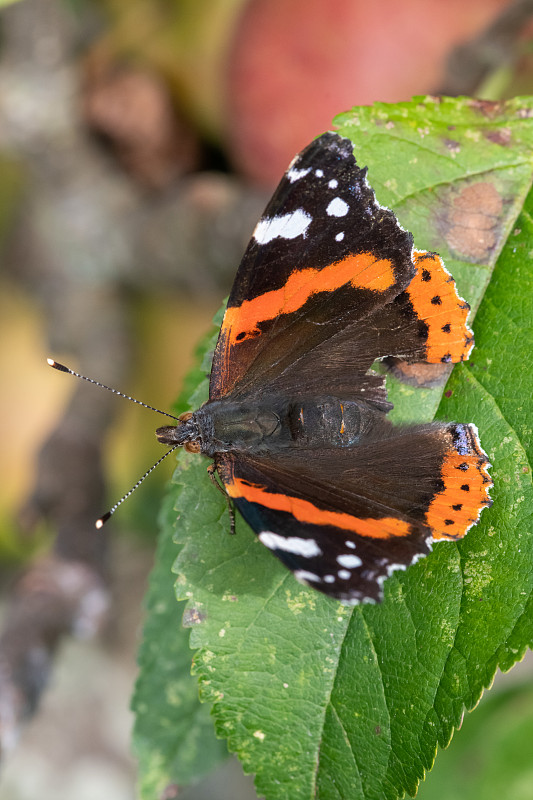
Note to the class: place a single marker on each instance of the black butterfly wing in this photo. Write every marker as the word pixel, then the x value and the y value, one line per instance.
pixel 343 519
pixel 324 256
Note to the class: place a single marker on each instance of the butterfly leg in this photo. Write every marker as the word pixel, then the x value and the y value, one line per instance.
pixel 212 472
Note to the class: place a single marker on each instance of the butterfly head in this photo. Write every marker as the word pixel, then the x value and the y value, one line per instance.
pixel 186 433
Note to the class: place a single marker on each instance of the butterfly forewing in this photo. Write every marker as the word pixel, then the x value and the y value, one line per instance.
pixel 324 255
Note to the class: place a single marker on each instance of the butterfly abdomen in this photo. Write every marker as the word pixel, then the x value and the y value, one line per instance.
pixel 275 424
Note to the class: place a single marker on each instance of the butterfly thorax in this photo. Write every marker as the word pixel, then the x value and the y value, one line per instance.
pixel 270 425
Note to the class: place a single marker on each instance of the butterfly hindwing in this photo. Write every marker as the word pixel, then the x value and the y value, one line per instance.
pixel 427 322
pixel 343 519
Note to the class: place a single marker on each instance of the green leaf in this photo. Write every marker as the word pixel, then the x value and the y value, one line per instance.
pixel 455 172
pixel 492 756
pixel 323 701
pixel 173 736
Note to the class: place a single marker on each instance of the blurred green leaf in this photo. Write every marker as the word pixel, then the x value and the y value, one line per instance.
pixel 491 756
pixel 12 181
pixel 323 701
pixel 173 736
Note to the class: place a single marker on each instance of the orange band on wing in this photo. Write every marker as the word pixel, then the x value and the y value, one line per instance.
pixel 362 271
pixel 434 297
pixel 466 492
pixel 304 511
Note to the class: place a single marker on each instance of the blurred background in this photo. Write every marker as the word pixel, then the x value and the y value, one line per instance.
pixel 139 143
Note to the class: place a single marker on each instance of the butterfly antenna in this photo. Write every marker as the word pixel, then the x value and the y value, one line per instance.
pixel 62 368
pixel 103 519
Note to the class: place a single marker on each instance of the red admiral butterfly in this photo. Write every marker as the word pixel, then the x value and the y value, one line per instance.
pixel 296 420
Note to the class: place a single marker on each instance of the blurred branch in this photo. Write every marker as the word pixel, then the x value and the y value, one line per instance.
pixel 84 230
pixel 53 597
pixel 471 63
pixel 65 246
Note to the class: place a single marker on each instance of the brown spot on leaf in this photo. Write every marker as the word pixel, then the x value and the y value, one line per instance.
pixel 453 146
pixel 489 108
pixel 501 136
pixel 472 221
pixel 193 616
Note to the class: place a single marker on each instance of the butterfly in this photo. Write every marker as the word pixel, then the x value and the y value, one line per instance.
pixel 296 422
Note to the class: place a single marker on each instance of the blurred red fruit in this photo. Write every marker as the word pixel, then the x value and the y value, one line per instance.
pixel 296 63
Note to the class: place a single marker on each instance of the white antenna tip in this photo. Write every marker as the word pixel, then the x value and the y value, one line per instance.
pixel 102 520
pixel 57 365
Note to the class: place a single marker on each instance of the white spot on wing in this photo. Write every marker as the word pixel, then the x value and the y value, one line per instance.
pixel 303 575
pixel 329 578
pixel 319 173
pixel 349 560
pixel 350 544
pixel 294 174
pixel 344 574
pixel 284 226
pixel 337 208
pixel 356 599
pixel 394 567
pixel 333 183
pixel 339 237
pixel 290 544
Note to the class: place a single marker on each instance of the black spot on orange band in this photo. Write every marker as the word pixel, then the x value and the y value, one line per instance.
pixel 445 510
pixel 433 295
